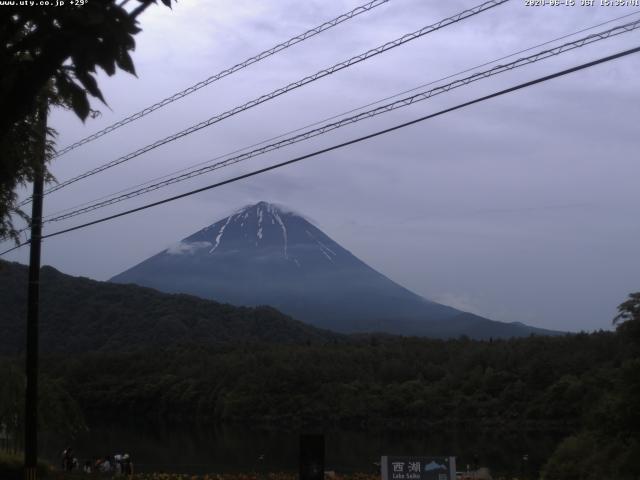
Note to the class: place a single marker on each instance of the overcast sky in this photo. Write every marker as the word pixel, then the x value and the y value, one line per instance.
pixel 522 208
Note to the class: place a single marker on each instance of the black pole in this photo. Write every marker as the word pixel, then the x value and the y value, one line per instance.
pixel 311 457
pixel 33 300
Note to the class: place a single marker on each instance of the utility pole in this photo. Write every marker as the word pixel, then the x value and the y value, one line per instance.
pixel 33 304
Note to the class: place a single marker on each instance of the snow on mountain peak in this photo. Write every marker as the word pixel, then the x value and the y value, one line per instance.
pixel 265 229
pixel 266 207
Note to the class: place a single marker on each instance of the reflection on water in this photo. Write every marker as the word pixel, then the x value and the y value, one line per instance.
pixel 188 449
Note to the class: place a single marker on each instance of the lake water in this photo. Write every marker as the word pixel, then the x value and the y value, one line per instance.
pixel 237 449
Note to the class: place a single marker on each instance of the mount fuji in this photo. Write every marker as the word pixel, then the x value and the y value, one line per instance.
pixel 264 254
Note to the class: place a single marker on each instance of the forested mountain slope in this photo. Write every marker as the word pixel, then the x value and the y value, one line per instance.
pixel 79 315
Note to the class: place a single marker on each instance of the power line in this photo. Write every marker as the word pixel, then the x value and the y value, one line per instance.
pixel 292 86
pixel 224 73
pixel 425 95
pixel 319 122
pixel 344 144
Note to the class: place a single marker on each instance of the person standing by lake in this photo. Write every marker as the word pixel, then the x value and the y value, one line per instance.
pixel 67 459
pixel 127 465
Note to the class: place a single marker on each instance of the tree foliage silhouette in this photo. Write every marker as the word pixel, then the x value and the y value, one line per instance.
pixel 54 51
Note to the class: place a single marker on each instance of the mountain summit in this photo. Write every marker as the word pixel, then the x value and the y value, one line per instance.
pixel 264 254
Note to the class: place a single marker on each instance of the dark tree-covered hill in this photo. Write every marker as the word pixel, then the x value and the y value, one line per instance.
pixel 81 315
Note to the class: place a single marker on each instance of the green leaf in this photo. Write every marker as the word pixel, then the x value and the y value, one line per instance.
pixel 79 101
pixel 91 85
pixel 125 62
